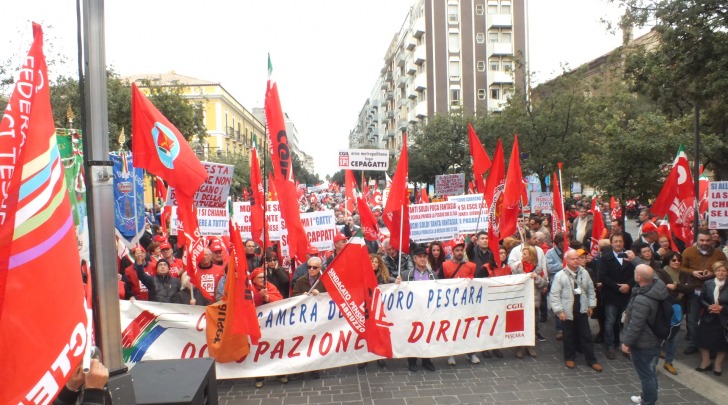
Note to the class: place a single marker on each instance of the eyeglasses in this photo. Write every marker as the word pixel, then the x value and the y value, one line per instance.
pixel 676 260
pixel 260 277
pixel 272 259
pixel 314 267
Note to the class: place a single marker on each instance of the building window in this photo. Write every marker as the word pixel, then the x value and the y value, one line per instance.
pixel 453 40
pixel 507 66
pixel 454 69
pixel 493 37
pixel 493 7
pixel 494 65
pixel 495 93
pixel 505 37
pixel 452 13
pixel 454 96
pixel 505 7
pixel 479 9
pixel 480 38
pixel 481 66
pixel 481 94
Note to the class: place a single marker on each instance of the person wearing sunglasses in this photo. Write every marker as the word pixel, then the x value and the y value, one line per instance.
pixel 276 274
pixel 678 284
pixel 304 283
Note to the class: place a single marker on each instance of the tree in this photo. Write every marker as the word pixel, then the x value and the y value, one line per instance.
pixel 440 147
pixel 241 172
pixel 170 101
pixel 686 68
pixel 300 172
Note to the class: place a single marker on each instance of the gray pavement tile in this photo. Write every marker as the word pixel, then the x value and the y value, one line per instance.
pixel 391 401
pixel 504 396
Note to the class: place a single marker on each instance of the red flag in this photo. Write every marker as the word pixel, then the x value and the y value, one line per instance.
pixel 376 199
pixel 470 188
pixel 247 321
pixel 479 159
pixel 283 170
pixel 189 236
pixel 369 225
pixel 494 188
pixel 160 190
pixel 257 204
pixel 677 198
pixel 351 284
pixel 664 230
pixel 424 198
pixel 598 230
pixel 703 192
pixel 559 214
pixel 158 147
pixel 43 318
pixel 365 189
pixel 272 188
pixel 350 190
pixel 396 212
pixel 514 193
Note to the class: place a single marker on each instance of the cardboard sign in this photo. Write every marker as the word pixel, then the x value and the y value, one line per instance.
pixel 213 192
pixel 718 205
pixel 364 159
pixel 434 221
pixel 450 184
pixel 470 218
pixel 543 200
pixel 212 221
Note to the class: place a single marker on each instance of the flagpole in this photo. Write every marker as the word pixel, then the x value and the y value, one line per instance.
pixel 561 209
pixel 401 226
pixel 153 179
pixel 265 210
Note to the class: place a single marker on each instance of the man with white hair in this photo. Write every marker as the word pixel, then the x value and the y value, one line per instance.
pixel 395 263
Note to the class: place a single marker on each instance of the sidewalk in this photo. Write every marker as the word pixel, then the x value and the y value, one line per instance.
pixel 509 381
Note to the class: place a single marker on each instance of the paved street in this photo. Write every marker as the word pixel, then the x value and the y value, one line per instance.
pixel 544 380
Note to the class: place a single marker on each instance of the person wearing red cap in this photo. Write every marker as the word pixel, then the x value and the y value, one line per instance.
pixel 139 290
pixel 209 273
pixel 176 266
pixel 154 252
pixel 339 242
pixel 649 236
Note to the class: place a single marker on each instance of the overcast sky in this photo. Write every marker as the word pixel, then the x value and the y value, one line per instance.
pixel 326 54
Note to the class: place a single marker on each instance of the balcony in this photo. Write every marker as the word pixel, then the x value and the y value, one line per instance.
pixel 412 117
pixel 420 82
pixel 411 68
pixel 388 77
pixel 401 59
pixel 418 30
pixel 412 93
pixel 389 96
pixel 402 82
pixel 501 77
pixel 389 115
pixel 390 133
pixel 421 109
pixel 496 105
pixel 501 48
pixel 499 20
pixel 384 85
pixel 420 55
pixel 410 43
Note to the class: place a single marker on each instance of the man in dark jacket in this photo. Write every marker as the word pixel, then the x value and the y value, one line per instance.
pixel 616 274
pixel 162 287
pixel 479 253
pixel 637 336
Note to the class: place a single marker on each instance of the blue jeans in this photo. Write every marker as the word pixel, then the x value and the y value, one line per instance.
pixel 645 361
pixel 612 315
pixel 669 347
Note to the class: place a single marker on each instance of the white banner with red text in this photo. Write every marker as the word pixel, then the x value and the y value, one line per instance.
pixel 213 193
pixel 305 333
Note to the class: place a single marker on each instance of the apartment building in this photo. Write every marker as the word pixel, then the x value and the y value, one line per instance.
pixel 448 56
pixel 231 128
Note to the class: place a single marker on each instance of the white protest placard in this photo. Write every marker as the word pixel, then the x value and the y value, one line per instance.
pixel 214 191
pixel 305 333
pixel 364 159
pixel 320 227
pixel 470 218
pixel 718 205
pixel 212 221
pixel 543 200
pixel 450 184
pixel 241 216
pixel 434 221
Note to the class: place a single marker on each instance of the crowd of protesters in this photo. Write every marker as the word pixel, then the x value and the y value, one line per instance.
pixel 589 295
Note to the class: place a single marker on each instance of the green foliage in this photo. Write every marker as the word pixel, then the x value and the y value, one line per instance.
pixel 441 147
pixel 300 172
pixel 687 66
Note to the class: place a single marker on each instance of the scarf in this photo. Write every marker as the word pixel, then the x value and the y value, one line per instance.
pixel 716 293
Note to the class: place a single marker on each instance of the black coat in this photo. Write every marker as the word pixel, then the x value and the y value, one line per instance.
pixel 161 288
pixel 612 273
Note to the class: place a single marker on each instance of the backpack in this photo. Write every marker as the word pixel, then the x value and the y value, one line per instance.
pixel 662 325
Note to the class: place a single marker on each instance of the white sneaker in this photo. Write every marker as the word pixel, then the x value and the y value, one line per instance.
pixel 474 359
pixel 636 399
pixel 451 361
